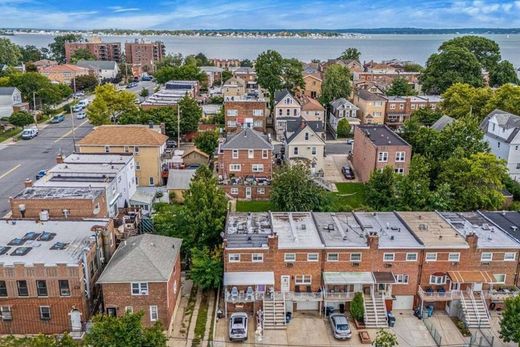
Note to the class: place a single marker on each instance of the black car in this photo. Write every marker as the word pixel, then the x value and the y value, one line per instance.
pixel 347 172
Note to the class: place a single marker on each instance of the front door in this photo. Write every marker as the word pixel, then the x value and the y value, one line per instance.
pixel 75 320
pixel 285 283
pixel 248 193
pixel 477 287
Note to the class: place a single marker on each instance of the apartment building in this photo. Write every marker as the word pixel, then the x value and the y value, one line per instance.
pixel 377 146
pixel 245 111
pixel 225 63
pixel 48 274
pixel 234 87
pixel 144 54
pixel 101 50
pixel 213 73
pixel 144 274
pixel 386 76
pixel 371 106
pixel 400 108
pixel 245 165
pixel 247 74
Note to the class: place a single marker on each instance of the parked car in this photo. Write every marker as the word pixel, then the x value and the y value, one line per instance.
pixel 146 78
pixel 57 119
pixel 40 174
pixel 77 108
pixel 339 326
pixel 171 144
pixel 238 326
pixel 83 103
pixel 350 141
pixel 193 166
pixel 29 133
pixel 131 85
pixel 81 115
pixel 347 172
pixel 79 94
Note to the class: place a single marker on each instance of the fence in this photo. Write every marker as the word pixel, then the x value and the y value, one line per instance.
pixel 433 332
pixel 479 339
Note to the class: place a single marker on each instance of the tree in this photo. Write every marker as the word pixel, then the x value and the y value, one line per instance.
pixel 343 128
pixel 269 69
pixel 246 63
pixel 122 331
pixel 85 82
pixel 207 142
pixel 400 87
pixel 414 188
pixel 357 307
pixel 510 322
pixel 412 67
pixel 294 190
pixel 486 51
pixel 206 267
pixel 81 54
pixel 292 75
pixel 34 84
pixel 386 338
pixel 30 54
pixel 144 92
pixel 506 98
pixel 9 53
pixel 350 54
pixel 381 189
pixel 461 99
pixel 38 341
pixel 202 60
pixel 57 47
pixel 183 72
pixel 21 118
pixel 170 60
pixel 190 114
pixel 226 74
pixel 452 65
pixel 426 116
pixel 336 83
pixel 109 103
pixel 502 74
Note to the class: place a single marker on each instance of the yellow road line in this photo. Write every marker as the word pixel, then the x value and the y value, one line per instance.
pixel 8 172
pixel 69 132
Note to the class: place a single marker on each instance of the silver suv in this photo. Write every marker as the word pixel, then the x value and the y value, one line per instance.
pixel 339 326
pixel 238 326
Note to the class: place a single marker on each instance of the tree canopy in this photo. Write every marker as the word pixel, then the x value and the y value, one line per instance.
pixel 31 53
pixel 207 142
pixel 109 104
pixel 9 53
pixel 292 75
pixel 400 87
pixel 336 83
pixel 343 128
pixel 33 83
pixel 461 99
pixel 21 118
pixel 350 54
pixel 81 54
pixel 57 47
pixel 486 51
pixel 188 71
pixel 85 82
pixel 510 322
pixel 503 73
pixel 206 267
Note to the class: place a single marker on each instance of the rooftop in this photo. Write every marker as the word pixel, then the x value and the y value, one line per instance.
pixel 180 179
pixel 97 64
pixel 442 123
pixel 7 90
pixel 123 135
pixel 365 94
pixel 247 230
pixel 340 230
pixel 432 230
pixel 296 230
pixel 247 139
pixel 312 105
pixel 35 240
pixel 82 168
pixel 98 158
pixel 42 193
pixel 63 69
pixel 381 135
pixel 509 221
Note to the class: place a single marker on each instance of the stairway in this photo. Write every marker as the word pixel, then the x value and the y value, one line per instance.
pixel 475 310
pixel 321 182
pixel 375 311
pixel 274 312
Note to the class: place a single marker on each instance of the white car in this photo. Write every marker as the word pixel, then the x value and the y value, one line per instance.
pixel 81 115
pixel 238 326
pixel 77 108
pixel 83 103
pixel 29 133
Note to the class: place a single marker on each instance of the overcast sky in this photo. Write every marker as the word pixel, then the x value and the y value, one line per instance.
pixel 258 14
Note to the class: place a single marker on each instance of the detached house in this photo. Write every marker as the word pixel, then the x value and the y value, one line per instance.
pixel 304 143
pixel 286 107
pixel 312 110
pixel 342 109
pixel 103 70
pixel 313 84
pixel 11 101
pixel 371 106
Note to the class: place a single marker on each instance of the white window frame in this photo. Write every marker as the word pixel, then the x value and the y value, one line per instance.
pixel 250 154
pixel 258 112
pixel 291 255
pixel 414 254
pixel 388 260
pixel 430 256
pixel 400 157
pixel 296 151
pixel 438 280
pixel 234 191
pixel 265 154
pixel 235 167
pixel 257 167
pixel 356 260
pixel 260 190
pixel 484 259
pixel 232 112
pixel 454 254
pixel 497 281
pixel 234 153
pixel 154 313
pixel 302 280
pixel 382 157
pixel 41 312
pixel 234 257
pixel 333 254
pixel 259 257
pixel 142 288
pixel 510 256
pixel 399 170
pixel 401 279
pixel 312 255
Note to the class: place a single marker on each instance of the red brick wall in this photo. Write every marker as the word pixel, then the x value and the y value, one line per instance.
pixel 78 208
pixel 255 191
pixel 245 110
pixel 226 158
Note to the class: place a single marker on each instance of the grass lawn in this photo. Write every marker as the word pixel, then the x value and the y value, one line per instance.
pixel 4 135
pixel 253 206
pixel 200 324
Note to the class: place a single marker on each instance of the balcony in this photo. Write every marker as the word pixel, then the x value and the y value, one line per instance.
pixel 303 296
pixel 501 294
pixel 338 296
pixel 243 297
pixel 248 181
pixel 439 295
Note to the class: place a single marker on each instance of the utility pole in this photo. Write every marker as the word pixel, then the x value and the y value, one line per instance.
pixel 34 110
pixel 72 116
pixel 178 125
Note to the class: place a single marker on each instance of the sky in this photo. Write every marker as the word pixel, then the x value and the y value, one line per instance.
pixel 258 14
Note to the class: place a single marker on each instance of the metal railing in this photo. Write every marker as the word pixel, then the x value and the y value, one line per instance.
pixel 439 296
pixel 342 296
pixel 500 295
pixel 433 332
pixel 244 297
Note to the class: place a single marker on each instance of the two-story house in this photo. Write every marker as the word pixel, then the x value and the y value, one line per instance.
pixel 371 106
pixel 342 109
pixel 313 110
pixel 304 142
pixel 103 70
pixel 234 87
pixel 286 107
pixel 10 101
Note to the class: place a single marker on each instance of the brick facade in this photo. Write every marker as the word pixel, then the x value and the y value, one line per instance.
pixel 144 54
pixel 241 113
pixel 110 51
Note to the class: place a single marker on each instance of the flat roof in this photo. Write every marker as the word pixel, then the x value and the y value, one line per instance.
pixel 381 135
pixel 392 232
pixel 338 278
pixel 248 278
pixel 42 193
pixel 489 235
pixel 340 230
pixel 76 236
pixel 82 168
pixel 247 230
pixel 432 230
pixel 98 158
pixel 296 230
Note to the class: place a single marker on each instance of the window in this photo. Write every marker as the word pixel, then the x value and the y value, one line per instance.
pixel 23 290
pixel 140 288
pixel 41 288
pixel 280 111
pixel 126 149
pixel 136 149
pixel 500 278
pixel 250 153
pixel 295 151
pixel 257 167
pixel 260 191
pixel 151 181
pixel 392 106
pixel 258 112
pixel 302 279
pixel 137 166
pixel 64 287
pixel 235 167
pixel 498 144
pixel 232 113
pixel 288 112
pixel 313 150
pixel 234 257
pixel 388 257
pixel 509 256
pixel 290 257
pixel 234 191
pixel 332 257
pixel 454 256
pixel 45 313
pixel 411 256
pixel 265 154
pixel 129 309
pixel 5 312
pixel 399 156
pixel 312 257
pixel 486 256
pixel 437 279
pixel 355 257
pixel 399 170
pixel 431 256
pixel 306 136
pixel 257 258
pixel 107 149
pixel 3 288
pixel 401 278
pixel 234 154
pixel 154 313
pixel 383 157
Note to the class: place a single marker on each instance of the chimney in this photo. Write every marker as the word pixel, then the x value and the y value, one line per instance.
pixel 272 241
pixel 472 240
pixel 59 159
pixel 163 128
pixel 28 183
pixel 373 240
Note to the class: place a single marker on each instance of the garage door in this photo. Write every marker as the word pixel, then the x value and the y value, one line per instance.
pixel 403 302
pixel 307 306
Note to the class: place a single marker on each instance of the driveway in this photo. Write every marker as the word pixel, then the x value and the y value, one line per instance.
pixel 332 168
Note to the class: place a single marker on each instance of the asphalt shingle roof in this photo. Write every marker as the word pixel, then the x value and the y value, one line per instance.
pixel 247 139
pixel 365 94
pixel 504 119
pixel 442 123
pixel 131 135
pixel 99 64
pixel 7 90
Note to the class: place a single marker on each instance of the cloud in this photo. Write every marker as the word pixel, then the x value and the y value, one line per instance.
pixel 120 9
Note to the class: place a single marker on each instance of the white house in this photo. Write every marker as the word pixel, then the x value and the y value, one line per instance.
pixel 502 133
pixel 101 68
pixel 9 97
pixel 286 107
pixel 305 144
pixel 342 109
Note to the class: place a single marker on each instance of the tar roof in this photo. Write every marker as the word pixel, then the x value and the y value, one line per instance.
pixel 98 64
pixel 365 94
pixel 41 193
pixel 248 230
pixel 392 232
pixel 509 221
pixel 340 230
pixel 75 236
pixel 130 135
pixel 146 258
pixel 432 230
pixel 489 236
pixel 295 230
pixel 247 139
pixel 98 158
pixel 180 179
pixel 381 135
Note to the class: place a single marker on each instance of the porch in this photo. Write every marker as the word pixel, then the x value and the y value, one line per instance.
pixel 246 287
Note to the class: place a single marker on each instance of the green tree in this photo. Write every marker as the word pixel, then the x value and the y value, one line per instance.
pixel 85 82
pixel 294 190
pixel 81 54
pixel 464 133
pixel 506 98
pixel 207 142
pixel 9 53
pixel 246 63
pixel 350 54
pixel 38 341
pixel 452 65
pixel 34 84
pixel 226 74
pixel 503 73
pixel 461 99
pixel 400 87
pixel 357 307
pixel 343 128
pixel 269 69
pixel 206 267
pixel 144 92
pixel 202 60
pixel 510 322
pixel 123 331
pixel 183 72
pixel 485 50
pixel 30 53
pixel 57 47
pixel 110 103
pixel 386 338
pixel 426 116
pixel 381 189
pixel 292 75
pixel 336 83
pixel 411 67
pixel 170 60
pixel 21 118
pixel 190 114
pixel 414 188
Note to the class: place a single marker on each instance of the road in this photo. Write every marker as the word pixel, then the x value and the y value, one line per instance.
pixel 24 159
pixel 149 85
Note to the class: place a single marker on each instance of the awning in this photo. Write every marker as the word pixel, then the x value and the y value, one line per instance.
pixel 248 278
pixel 384 277
pixel 336 278
pixel 471 276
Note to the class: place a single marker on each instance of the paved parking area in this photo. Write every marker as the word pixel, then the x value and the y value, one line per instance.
pixel 332 168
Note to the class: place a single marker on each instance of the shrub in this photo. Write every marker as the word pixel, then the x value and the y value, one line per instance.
pixel 21 118
pixel 357 307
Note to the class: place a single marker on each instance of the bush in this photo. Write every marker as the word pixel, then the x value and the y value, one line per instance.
pixel 357 307
pixel 343 128
pixel 21 119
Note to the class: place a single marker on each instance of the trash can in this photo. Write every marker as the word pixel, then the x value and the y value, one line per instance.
pixel 429 309
pixel 390 318
pixel 288 316
pixel 328 310
pixel 341 308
